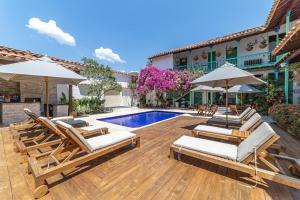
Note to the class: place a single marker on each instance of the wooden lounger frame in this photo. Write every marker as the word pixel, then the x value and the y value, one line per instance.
pixel 49 137
pixel 71 146
pixel 276 175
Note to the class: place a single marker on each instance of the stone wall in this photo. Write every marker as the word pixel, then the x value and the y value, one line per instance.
pixel 14 112
pixel 31 89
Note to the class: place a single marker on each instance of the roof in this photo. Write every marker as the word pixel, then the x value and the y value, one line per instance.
pixel 290 42
pixel 17 55
pixel 24 55
pixel 278 10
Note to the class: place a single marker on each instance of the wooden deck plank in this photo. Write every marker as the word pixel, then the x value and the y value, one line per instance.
pixel 143 173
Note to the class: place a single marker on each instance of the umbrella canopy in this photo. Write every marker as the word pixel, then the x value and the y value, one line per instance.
pixel 39 69
pixel 225 76
pixel 243 89
pixel 42 69
pixel 230 74
pixel 207 88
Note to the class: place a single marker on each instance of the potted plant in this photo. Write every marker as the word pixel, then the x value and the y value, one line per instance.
pixel 251 45
pixel 263 44
pixel 218 54
pixel 204 55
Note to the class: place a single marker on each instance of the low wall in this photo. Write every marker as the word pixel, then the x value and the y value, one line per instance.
pixel 14 112
pixel 60 110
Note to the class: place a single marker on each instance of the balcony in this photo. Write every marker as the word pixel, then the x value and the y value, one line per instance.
pixel 244 62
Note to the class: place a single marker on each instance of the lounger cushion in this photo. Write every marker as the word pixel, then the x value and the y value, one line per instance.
pixel 255 140
pixel 76 133
pixel 251 122
pixel 91 128
pixel 64 119
pixel 213 129
pixel 211 147
pixel 223 121
pixel 106 140
pixel 249 114
pixel 245 112
pixel 224 116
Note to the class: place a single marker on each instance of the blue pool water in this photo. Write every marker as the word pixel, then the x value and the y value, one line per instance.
pixel 140 119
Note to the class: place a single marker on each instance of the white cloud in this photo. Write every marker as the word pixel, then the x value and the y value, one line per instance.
pixel 52 30
pixel 108 55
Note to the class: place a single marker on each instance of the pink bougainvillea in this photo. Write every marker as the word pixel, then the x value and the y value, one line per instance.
pixel 152 78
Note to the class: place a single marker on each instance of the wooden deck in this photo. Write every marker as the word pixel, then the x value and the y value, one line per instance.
pixel 143 173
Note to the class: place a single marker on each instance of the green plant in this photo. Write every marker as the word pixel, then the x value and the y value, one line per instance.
pixel 63 98
pixel 88 105
pixel 287 116
pixel 271 96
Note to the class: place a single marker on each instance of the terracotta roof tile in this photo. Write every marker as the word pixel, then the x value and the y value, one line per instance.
pixel 23 55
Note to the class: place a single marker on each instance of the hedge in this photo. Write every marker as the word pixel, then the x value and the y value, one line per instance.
pixel 287 116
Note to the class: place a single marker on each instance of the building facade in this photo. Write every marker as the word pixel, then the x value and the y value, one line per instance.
pixel 250 50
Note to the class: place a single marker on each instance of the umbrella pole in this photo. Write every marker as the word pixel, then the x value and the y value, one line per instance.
pixel 46 97
pixel 226 83
pixel 241 99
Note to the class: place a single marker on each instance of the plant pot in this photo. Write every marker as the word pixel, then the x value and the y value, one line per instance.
pixel 263 45
pixel 249 48
pixel 196 58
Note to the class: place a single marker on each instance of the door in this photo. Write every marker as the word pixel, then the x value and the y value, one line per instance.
pixel 211 59
pixel 231 55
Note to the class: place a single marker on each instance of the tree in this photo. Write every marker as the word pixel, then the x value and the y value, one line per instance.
pixel 101 79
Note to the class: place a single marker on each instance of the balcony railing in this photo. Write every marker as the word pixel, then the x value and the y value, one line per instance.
pixel 244 62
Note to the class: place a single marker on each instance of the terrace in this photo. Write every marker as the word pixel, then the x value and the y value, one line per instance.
pixel 250 61
pixel 144 173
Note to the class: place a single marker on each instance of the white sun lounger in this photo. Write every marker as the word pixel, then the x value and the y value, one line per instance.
pixel 231 122
pixel 238 117
pixel 229 134
pixel 238 157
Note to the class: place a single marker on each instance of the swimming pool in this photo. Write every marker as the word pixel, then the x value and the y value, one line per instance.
pixel 140 119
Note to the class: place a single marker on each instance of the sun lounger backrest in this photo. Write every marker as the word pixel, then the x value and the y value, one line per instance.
pixel 250 123
pixel 74 135
pixel 245 112
pixel 247 116
pixel 31 114
pixel 255 140
pixel 45 122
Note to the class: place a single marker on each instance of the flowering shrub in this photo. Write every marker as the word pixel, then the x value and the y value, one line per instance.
pixel 287 116
pixel 162 81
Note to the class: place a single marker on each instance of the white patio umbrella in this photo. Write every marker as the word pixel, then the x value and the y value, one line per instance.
pixel 243 89
pixel 42 69
pixel 225 76
pixel 206 89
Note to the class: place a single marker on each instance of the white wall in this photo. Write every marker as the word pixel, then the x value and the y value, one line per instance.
pixel 113 99
pixel 163 62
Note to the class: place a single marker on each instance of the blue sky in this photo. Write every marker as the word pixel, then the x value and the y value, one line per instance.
pixel 128 31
